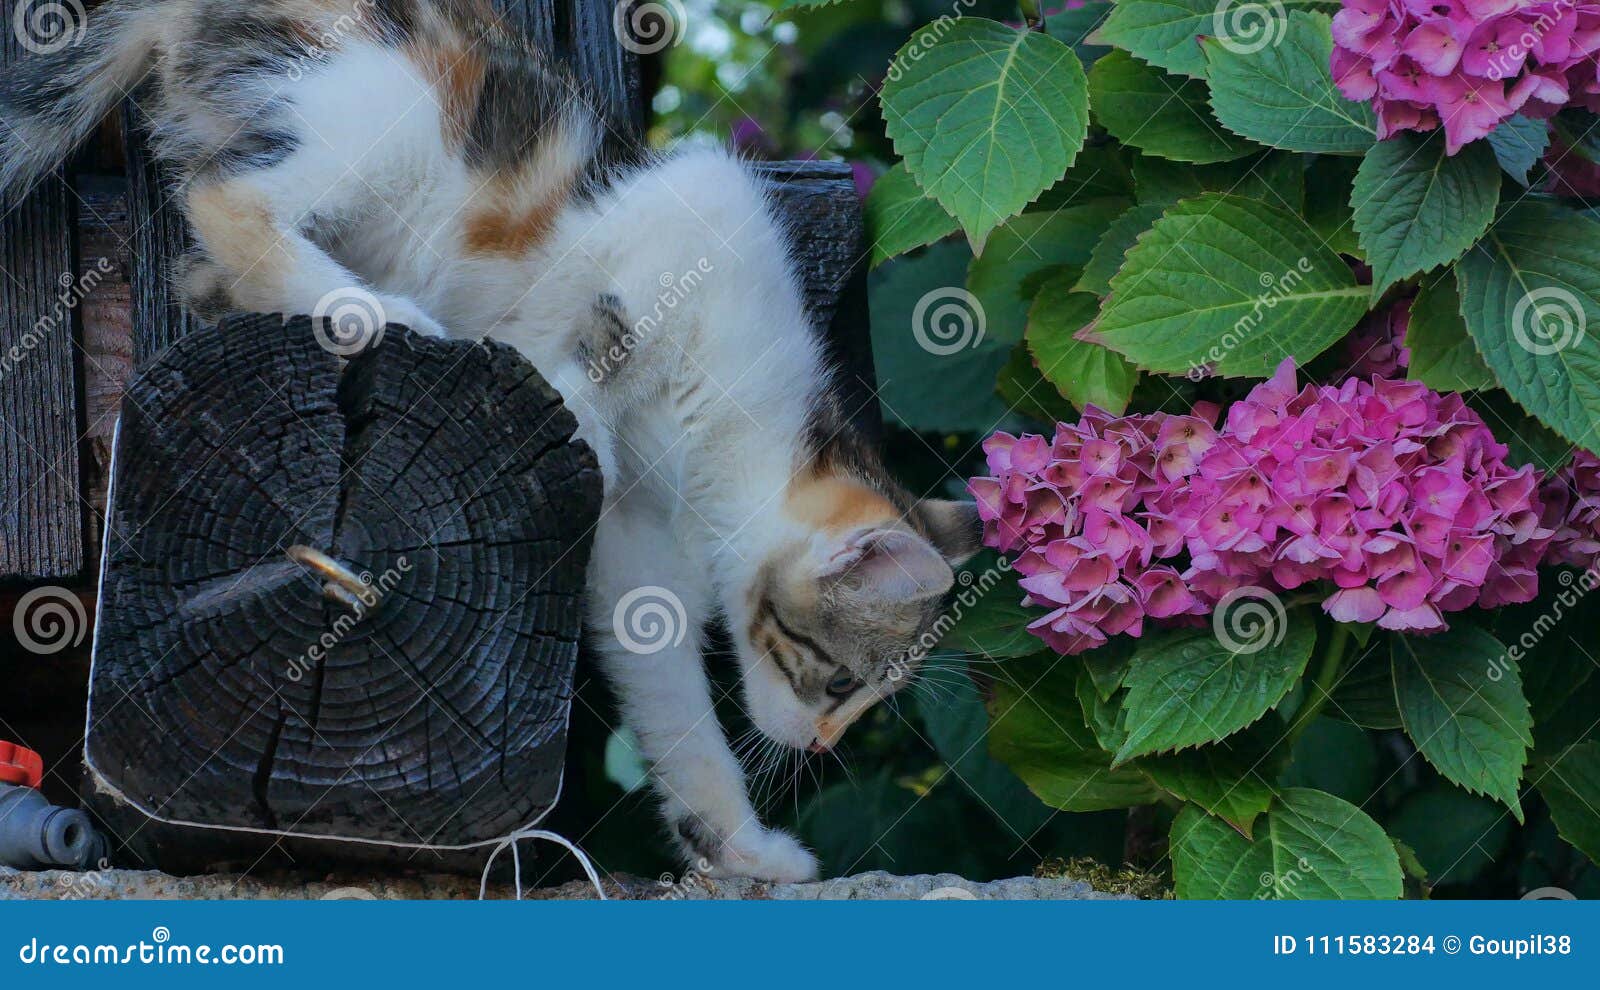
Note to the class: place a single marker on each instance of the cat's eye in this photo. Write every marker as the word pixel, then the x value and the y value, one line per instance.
pixel 843 684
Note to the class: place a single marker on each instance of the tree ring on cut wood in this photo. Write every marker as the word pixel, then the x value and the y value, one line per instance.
pixel 341 598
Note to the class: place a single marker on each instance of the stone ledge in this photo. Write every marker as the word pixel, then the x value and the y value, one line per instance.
pixel 143 885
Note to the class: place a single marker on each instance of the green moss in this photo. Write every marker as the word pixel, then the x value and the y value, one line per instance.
pixel 1126 880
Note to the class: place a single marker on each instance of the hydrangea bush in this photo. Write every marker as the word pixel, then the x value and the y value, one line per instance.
pixel 1289 311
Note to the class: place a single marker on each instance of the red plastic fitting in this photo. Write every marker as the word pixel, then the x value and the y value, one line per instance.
pixel 20 766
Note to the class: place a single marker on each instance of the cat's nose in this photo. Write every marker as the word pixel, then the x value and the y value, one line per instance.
pixel 817 746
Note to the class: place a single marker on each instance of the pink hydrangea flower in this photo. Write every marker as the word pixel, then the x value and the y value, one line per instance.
pixel 1572 497
pixel 1394 502
pixel 1466 65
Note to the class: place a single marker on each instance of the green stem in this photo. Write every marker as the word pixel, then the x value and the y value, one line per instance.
pixel 1322 688
pixel 1030 14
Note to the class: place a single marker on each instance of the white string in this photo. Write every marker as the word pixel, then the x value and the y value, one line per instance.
pixel 510 842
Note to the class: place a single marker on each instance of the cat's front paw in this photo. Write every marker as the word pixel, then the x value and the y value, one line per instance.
pixel 764 854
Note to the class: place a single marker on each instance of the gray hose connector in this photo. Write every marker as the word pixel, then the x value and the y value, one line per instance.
pixel 36 835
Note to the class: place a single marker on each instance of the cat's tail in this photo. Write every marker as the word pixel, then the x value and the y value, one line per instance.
pixel 77 71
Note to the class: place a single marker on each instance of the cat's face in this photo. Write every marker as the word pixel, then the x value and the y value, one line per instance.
pixel 841 617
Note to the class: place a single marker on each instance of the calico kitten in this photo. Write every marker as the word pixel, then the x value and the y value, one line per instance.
pixel 419 151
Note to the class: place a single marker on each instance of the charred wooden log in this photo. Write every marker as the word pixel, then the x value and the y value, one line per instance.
pixel 340 598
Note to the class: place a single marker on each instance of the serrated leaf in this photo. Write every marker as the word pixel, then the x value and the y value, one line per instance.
pixel 1443 356
pixel 1077 26
pixel 1103 716
pixel 1230 282
pixel 1309 846
pixel 1165 32
pixel 1170 116
pixel 1087 374
pixel 1232 779
pixel 987 117
pixel 1328 184
pixel 1037 730
pixel 1027 245
pixel 1461 702
pixel 1570 784
pixel 1276 178
pixel 1108 665
pixel 1186 687
pixel 1284 97
pixel 900 216
pixel 1519 142
pixel 1113 246
pixel 1530 293
pixel 1417 208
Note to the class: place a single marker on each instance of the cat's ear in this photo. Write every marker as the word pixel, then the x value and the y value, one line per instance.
pixel 954 527
pixel 890 564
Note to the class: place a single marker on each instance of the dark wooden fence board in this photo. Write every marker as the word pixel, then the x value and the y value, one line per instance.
pixel 41 513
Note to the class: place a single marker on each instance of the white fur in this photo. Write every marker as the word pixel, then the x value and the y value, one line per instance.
pixel 697 432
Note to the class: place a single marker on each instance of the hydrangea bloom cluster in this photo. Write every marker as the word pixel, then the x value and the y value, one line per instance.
pixel 1398 497
pixel 1466 64
pixel 1572 500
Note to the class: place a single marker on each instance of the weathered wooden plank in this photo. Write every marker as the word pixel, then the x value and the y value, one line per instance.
pixel 159 238
pixel 41 514
pixel 820 207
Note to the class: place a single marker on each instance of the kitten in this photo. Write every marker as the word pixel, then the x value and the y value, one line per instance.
pixel 420 151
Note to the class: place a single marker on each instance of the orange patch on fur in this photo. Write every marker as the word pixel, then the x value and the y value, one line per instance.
pixel 239 232
pixel 500 225
pixel 455 71
pixel 831 502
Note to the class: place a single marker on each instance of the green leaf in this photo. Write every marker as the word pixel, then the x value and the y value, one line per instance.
pixel 1164 32
pixel 900 216
pixel 1030 244
pixel 987 117
pixel 1443 357
pixel 1232 779
pixel 1530 293
pixel 1187 687
pixel 1077 27
pixel 1309 846
pixel 1461 701
pixel 1328 184
pixel 1519 142
pixel 1104 716
pixel 1025 390
pixel 1229 282
pixel 1570 784
pixel 1101 171
pixel 1365 692
pixel 1037 730
pixel 1530 441
pixel 806 4
pixel 1454 834
pixel 1083 372
pixel 1114 244
pixel 996 626
pixel 1284 96
pixel 1417 208
pixel 1170 116
pixel 955 720
pixel 1276 178
pixel 944 392
pixel 1108 665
